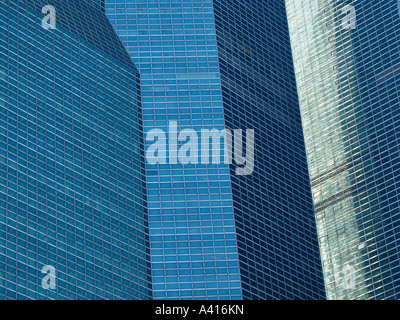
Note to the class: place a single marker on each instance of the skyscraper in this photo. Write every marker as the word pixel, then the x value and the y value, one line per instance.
pixel 73 219
pixel 214 234
pixel 346 56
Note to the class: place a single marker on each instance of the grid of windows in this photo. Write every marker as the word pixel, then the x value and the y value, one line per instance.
pixel 196 212
pixel 71 165
pixel 99 4
pixel 277 241
pixel 191 223
pixel 349 88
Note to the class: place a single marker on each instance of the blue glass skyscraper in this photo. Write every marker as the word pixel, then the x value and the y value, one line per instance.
pixel 72 189
pixel 275 225
pixel 214 234
pixel 191 219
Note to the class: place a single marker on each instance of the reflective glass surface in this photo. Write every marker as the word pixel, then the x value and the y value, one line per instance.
pixel 191 221
pixel 215 64
pixel 71 162
pixel 275 224
pixel 347 63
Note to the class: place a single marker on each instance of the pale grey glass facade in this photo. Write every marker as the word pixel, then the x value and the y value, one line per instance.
pixel 349 86
pixel 72 190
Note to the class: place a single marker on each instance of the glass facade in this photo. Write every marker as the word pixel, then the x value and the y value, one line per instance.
pixel 71 158
pixel 275 224
pixel 347 62
pixel 99 4
pixel 214 64
pixel 191 220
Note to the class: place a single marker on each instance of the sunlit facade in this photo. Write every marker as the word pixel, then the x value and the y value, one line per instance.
pixel 191 219
pixel 346 57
